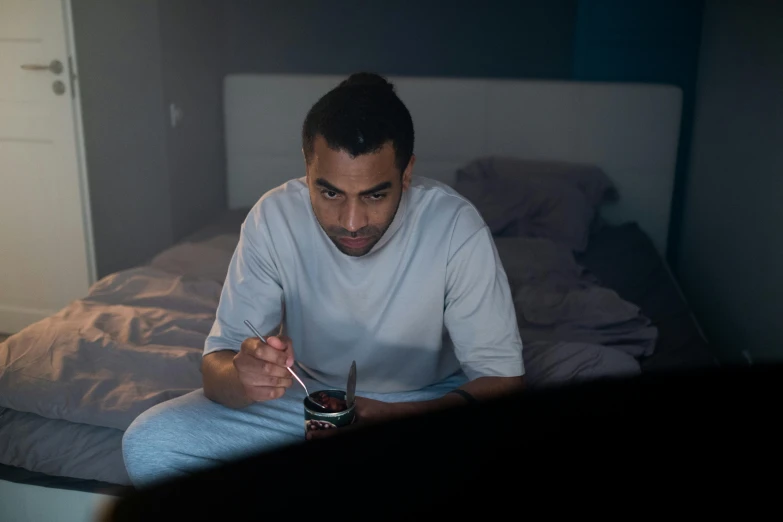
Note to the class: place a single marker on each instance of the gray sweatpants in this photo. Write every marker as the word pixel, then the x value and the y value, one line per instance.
pixel 191 432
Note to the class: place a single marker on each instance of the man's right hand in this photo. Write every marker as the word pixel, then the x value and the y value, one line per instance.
pixel 263 368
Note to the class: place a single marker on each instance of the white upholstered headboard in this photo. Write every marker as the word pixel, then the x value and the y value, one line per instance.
pixel 629 130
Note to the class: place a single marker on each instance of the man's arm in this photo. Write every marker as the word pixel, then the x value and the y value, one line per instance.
pixel 479 312
pixel 488 387
pixel 237 369
pixel 221 380
pixel 258 372
pixel 482 388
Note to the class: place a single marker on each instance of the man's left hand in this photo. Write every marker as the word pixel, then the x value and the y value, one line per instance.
pixel 370 410
pixel 367 411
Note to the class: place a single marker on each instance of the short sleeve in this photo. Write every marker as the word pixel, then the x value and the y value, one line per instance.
pixel 252 290
pixel 479 312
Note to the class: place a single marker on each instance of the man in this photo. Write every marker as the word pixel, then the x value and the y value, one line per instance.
pixel 358 261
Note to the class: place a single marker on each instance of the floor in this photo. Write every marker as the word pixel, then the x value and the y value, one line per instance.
pixel 26 503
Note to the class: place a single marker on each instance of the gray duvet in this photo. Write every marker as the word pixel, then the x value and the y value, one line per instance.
pixel 74 381
pixel 572 328
pixel 102 363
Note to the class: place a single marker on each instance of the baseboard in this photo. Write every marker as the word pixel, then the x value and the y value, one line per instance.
pixel 15 318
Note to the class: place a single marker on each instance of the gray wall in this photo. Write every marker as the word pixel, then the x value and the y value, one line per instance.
pixel 647 41
pixel 150 184
pixel 192 62
pixel 732 242
pixel 497 38
pixel 118 51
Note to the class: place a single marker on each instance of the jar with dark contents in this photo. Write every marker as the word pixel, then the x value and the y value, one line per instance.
pixel 335 414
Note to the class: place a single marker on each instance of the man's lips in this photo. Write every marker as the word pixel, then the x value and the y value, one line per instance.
pixel 358 242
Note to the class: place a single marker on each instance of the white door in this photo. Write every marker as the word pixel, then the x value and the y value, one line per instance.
pixel 46 256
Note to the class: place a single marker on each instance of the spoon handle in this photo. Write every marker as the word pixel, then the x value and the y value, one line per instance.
pixel 253 329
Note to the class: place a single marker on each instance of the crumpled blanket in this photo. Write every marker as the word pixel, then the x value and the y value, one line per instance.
pixel 572 328
pixel 134 341
pixel 541 212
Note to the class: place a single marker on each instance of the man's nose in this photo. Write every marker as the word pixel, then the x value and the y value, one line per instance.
pixel 354 216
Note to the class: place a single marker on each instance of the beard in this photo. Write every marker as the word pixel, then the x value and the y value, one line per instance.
pixel 371 232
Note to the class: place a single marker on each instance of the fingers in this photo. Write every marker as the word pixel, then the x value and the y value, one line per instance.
pixel 266 352
pixel 278 343
pixel 252 378
pixel 263 393
pixel 322 434
pixel 249 365
pixel 263 367
pixel 282 343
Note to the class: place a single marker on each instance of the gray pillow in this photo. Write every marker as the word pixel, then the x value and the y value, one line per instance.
pixel 534 198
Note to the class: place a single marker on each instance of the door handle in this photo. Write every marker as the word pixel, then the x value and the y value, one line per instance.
pixel 56 67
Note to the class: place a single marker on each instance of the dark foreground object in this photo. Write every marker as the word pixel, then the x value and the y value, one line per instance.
pixel 655 439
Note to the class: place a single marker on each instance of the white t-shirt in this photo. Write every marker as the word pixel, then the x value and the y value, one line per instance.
pixel 429 299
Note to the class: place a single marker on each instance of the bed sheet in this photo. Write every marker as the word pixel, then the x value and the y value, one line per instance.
pixel 39 448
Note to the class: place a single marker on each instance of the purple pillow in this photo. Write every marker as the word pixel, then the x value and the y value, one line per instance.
pixel 532 198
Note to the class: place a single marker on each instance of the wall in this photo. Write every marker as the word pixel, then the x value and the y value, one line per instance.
pixel 648 41
pixel 118 49
pixel 423 37
pixel 150 184
pixel 192 60
pixel 152 54
pixel 732 247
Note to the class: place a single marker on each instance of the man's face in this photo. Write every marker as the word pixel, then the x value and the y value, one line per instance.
pixel 355 199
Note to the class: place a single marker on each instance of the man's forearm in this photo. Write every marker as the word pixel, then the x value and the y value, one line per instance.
pixel 221 383
pixel 482 388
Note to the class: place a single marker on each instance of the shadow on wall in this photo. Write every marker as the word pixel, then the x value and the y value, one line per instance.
pixel 732 248
pixel 150 184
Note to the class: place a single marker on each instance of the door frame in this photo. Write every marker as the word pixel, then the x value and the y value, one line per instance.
pixel 81 151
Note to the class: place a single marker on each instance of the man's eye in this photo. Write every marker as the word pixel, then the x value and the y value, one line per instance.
pixel 329 194
pixel 377 197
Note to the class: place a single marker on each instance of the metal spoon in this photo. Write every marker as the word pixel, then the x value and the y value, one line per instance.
pixel 263 340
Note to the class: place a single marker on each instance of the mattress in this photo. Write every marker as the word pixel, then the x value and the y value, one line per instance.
pixel 89 456
pixel 621 258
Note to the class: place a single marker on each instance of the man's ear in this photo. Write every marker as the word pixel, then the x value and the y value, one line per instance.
pixel 406 176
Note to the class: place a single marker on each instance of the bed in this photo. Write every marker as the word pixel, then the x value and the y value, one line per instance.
pixel 70 384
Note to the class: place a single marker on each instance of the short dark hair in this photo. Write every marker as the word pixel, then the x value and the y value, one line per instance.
pixel 359 116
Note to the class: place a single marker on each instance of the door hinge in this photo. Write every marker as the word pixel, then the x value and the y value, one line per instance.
pixel 71 77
